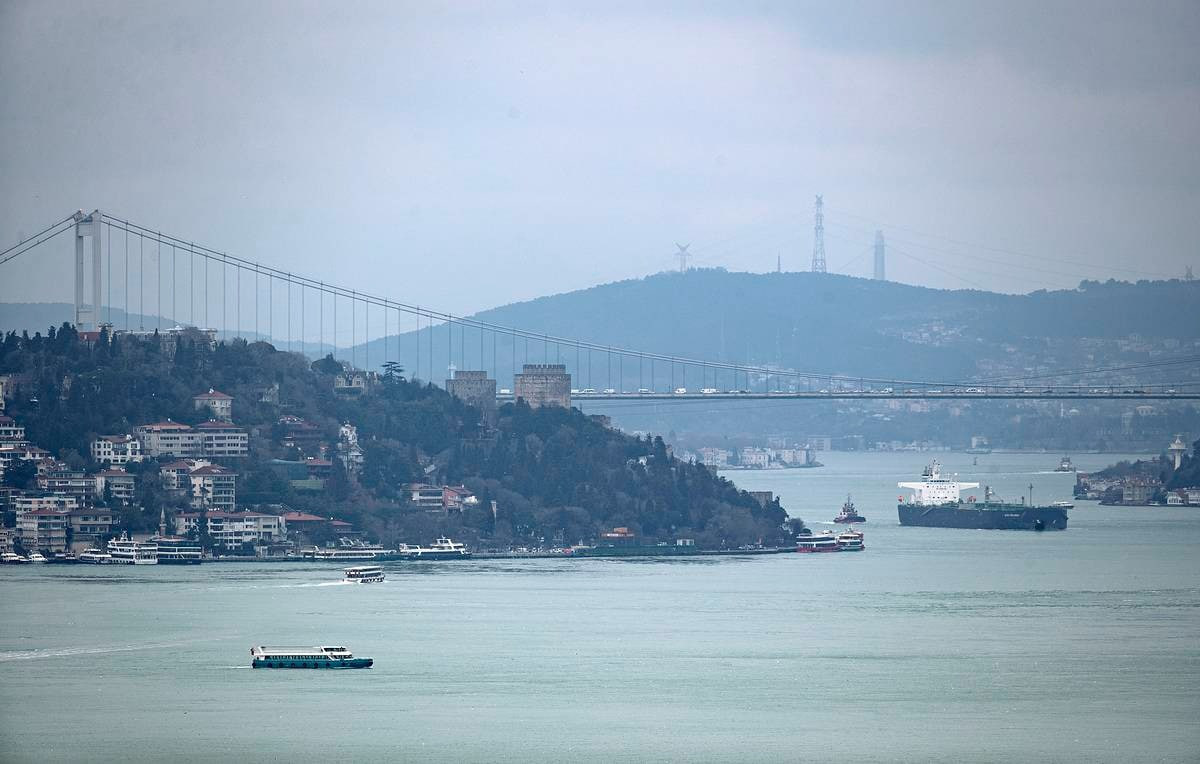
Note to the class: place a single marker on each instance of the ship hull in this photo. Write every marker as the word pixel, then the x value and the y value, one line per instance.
pixel 352 663
pixel 1008 517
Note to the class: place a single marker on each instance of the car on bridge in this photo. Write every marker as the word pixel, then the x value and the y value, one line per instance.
pixel 610 391
pixel 681 391
pixel 708 390
pixel 643 391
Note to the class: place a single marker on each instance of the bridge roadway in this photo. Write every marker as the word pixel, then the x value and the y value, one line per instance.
pixel 1030 395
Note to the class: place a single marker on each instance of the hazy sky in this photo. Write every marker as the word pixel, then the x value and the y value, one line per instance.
pixel 468 155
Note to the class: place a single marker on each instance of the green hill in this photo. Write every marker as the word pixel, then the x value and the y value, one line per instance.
pixel 554 474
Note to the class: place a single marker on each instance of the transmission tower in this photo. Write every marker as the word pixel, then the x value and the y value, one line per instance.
pixel 683 255
pixel 818 265
pixel 880 274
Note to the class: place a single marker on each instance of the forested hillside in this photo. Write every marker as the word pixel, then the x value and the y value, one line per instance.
pixel 554 474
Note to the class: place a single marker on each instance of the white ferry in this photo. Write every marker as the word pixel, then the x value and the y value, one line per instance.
pixel 850 541
pixel 821 541
pixel 12 558
pixel 364 574
pixel 178 551
pixel 94 556
pixel 346 553
pixel 306 657
pixel 442 549
pixel 128 552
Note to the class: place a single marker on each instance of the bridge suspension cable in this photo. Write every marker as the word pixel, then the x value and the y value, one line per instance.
pixel 754 375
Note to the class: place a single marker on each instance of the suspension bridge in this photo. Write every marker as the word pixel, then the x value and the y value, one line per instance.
pixel 185 284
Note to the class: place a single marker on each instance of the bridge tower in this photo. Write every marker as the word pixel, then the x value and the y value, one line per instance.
pixel 87 315
pixel 818 264
pixel 880 274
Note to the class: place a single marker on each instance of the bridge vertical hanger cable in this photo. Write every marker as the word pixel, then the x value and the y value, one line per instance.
pixel 142 283
pixel 126 290
pixel 108 308
pixel 158 282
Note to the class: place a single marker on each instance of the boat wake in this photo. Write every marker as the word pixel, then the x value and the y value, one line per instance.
pixel 70 652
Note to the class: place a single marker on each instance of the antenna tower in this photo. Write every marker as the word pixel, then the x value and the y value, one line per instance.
pixel 683 255
pixel 818 264
pixel 880 274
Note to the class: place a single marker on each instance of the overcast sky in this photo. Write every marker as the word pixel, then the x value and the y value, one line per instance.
pixel 474 154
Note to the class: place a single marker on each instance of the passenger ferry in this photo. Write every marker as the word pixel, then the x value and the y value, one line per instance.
pixel 850 541
pixel 128 552
pixel 306 657
pixel 178 551
pixel 346 553
pixel 94 556
pixel 442 549
pixel 822 541
pixel 364 574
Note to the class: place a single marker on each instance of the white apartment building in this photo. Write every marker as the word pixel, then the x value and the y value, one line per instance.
pixel 169 439
pixel 116 449
pixel 219 439
pixel 232 529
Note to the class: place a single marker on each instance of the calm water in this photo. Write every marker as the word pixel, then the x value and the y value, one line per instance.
pixel 933 645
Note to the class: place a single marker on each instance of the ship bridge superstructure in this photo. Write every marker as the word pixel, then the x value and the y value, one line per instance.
pixel 934 489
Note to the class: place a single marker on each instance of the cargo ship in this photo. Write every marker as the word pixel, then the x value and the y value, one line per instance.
pixel 936 502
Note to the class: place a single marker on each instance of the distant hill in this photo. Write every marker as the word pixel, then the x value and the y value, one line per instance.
pixel 824 323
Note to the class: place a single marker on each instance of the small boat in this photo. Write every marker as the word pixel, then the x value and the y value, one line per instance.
pixel 306 657
pixel 1065 465
pixel 37 557
pixel 12 558
pixel 94 556
pixel 849 514
pixel 364 574
pixel 850 541
pixel 823 541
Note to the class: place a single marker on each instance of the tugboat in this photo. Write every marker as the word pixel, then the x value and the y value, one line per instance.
pixel 849 514
pixel 1065 465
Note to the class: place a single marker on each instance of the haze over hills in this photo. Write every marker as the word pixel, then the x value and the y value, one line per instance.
pixel 821 323
pixel 827 324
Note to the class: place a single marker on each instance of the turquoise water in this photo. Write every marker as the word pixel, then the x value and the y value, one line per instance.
pixel 933 645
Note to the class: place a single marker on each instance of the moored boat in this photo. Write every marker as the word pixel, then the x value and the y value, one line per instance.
pixel 178 551
pixel 94 556
pixel 306 657
pixel 128 552
pixel 12 558
pixel 442 549
pixel 850 541
pixel 821 541
pixel 364 574
pixel 37 557
pixel 849 514
pixel 347 553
